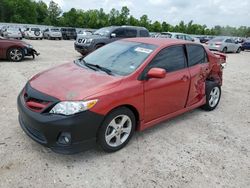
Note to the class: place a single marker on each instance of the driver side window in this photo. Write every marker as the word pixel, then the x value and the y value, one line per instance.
pixel 171 59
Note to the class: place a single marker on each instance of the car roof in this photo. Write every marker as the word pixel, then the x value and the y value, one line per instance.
pixel 161 42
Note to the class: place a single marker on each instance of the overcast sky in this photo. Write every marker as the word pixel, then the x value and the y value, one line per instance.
pixel 209 12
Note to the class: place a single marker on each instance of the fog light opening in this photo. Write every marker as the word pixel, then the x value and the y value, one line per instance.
pixel 64 138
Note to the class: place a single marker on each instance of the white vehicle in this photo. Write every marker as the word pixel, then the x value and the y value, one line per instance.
pixel 173 35
pixel 14 33
pixel 83 33
pixel 33 33
pixel 52 33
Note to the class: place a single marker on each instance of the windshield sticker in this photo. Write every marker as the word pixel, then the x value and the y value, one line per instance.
pixel 143 50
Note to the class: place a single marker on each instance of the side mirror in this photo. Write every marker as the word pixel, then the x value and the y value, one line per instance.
pixel 156 73
pixel 113 35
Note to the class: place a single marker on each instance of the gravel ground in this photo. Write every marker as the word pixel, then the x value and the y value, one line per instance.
pixel 197 149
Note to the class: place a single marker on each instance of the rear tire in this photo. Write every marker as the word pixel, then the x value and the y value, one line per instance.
pixel 117 129
pixel 213 95
pixel 238 50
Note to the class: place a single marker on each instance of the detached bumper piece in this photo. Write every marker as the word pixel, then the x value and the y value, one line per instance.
pixel 31 52
pixel 63 134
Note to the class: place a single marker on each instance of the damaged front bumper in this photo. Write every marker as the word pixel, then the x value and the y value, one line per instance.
pixel 31 52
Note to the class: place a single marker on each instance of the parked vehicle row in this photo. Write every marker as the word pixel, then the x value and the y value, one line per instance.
pixel 88 43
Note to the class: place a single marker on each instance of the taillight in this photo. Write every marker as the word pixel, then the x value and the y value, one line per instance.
pixel 218 43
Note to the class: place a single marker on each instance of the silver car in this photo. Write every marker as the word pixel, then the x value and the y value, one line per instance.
pixel 224 44
pixel 13 33
pixel 52 33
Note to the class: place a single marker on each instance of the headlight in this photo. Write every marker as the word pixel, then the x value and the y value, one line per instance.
pixel 72 107
pixel 88 41
pixel 29 46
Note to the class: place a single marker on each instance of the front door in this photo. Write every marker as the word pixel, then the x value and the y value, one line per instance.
pixel 169 94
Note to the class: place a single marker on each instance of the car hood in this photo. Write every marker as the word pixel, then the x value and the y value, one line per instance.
pixel 14 41
pixel 72 82
pixel 92 37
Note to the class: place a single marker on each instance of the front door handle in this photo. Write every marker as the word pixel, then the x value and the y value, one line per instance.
pixel 185 78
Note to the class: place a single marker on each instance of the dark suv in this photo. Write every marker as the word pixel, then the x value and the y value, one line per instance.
pixel 68 33
pixel 89 43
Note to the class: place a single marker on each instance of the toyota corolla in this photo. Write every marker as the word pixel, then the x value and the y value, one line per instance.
pixel 123 87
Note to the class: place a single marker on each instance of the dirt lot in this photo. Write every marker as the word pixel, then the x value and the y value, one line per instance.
pixel 197 149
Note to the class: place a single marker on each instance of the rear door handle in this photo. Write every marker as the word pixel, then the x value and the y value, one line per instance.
pixel 185 78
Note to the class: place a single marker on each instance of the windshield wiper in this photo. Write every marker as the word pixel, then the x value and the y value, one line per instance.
pixel 93 66
pixel 108 71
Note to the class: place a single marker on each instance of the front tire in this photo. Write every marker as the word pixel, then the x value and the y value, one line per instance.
pixel 213 95
pixel 224 50
pixel 117 129
pixel 15 54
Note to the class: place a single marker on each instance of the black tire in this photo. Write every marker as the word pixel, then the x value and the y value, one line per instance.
pixel 98 46
pixel 15 54
pixel 224 50
pixel 105 128
pixel 211 87
pixel 238 50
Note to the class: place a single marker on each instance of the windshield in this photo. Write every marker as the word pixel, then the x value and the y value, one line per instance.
pixel 35 29
pixel 55 30
pixel 121 57
pixel 103 31
pixel 219 39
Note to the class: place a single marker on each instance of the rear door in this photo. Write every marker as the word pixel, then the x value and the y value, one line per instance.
pixel 198 69
pixel 169 94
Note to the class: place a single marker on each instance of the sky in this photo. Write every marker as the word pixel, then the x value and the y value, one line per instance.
pixel 208 12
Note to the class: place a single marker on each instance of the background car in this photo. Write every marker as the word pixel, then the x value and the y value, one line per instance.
pixel 15 50
pixel 33 33
pixel 83 33
pixel 69 33
pixel 224 44
pixel 204 39
pixel 52 33
pixel 103 36
pixel 174 35
pixel 246 45
pixel 14 33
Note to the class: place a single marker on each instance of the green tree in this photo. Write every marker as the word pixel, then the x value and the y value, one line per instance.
pixel 54 11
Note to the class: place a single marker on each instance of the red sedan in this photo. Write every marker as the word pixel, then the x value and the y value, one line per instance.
pixel 125 86
pixel 15 50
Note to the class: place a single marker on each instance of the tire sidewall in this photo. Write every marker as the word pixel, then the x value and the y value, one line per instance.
pixel 209 87
pixel 102 131
pixel 8 54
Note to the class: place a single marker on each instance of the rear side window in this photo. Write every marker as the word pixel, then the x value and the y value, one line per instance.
pixel 130 33
pixel 171 59
pixel 144 33
pixel 196 55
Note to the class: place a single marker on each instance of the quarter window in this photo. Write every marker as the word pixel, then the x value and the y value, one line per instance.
pixel 196 55
pixel 171 59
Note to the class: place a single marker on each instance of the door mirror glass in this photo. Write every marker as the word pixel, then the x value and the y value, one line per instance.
pixel 156 73
pixel 113 35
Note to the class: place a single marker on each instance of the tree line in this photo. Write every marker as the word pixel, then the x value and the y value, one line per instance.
pixel 32 12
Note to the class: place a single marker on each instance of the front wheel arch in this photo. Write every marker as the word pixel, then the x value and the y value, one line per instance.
pixel 133 109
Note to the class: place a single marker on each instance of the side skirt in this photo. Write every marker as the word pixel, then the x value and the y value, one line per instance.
pixel 149 124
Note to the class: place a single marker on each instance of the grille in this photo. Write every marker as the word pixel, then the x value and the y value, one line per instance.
pixel 34 104
pixel 81 40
